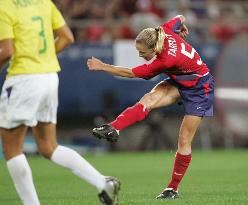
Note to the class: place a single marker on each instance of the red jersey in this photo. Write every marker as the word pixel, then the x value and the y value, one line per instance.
pixel 178 60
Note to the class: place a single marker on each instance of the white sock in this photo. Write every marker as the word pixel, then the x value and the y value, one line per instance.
pixel 22 176
pixel 78 165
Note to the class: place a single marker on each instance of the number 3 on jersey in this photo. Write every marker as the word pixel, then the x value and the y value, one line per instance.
pixel 41 33
pixel 190 54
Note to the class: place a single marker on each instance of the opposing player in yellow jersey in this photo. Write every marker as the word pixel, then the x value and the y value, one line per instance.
pixel 29 96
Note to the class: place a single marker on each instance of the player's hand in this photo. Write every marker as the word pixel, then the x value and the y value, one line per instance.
pixel 183 31
pixel 94 64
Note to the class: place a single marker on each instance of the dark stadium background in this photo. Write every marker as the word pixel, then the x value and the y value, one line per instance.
pixel 218 31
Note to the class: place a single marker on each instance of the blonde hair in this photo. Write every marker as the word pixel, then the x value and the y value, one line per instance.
pixel 153 38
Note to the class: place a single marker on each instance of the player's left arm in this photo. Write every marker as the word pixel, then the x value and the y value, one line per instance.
pixel 63 34
pixel 63 38
pixel 6 51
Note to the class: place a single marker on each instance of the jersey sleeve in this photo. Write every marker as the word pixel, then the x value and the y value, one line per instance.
pixel 57 18
pixel 173 24
pixel 6 26
pixel 147 71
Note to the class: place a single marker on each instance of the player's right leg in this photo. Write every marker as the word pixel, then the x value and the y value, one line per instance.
pixel 18 167
pixel 163 94
pixel 183 156
pixel 17 108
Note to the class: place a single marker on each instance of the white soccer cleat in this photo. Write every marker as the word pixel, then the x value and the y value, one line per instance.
pixel 109 195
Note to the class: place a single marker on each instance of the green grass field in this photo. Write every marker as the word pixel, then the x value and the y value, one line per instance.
pixel 216 178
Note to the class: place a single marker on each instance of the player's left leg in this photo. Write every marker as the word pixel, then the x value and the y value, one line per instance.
pixel 45 135
pixel 183 156
pixel 163 94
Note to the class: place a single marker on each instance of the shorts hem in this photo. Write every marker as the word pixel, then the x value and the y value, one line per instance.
pixel 15 125
pixel 199 114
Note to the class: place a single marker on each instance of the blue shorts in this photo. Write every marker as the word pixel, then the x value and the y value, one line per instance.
pixel 198 100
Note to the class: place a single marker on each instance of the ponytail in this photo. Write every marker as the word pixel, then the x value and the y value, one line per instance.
pixel 160 39
pixel 153 38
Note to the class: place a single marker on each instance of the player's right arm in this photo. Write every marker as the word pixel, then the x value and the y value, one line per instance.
pixel 6 51
pixel 145 71
pixel 6 36
pixel 177 25
pixel 63 34
pixel 96 64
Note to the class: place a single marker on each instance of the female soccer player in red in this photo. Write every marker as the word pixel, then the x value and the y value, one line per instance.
pixel 189 81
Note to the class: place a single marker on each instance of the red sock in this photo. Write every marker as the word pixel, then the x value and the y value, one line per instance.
pixel 129 116
pixel 181 164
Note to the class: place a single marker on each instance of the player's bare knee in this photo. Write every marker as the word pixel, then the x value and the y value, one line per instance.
pixel 46 151
pixel 6 152
pixel 146 100
pixel 11 151
pixel 150 100
pixel 184 141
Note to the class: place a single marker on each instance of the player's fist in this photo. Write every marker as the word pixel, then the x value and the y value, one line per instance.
pixel 183 31
pixel 94 64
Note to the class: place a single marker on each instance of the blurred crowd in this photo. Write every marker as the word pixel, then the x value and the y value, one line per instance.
pixel 107 20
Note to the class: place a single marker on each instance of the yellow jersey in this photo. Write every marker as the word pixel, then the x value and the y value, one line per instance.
pixel 30 23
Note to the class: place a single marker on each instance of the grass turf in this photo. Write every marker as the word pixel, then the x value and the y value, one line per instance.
pixel 214 178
